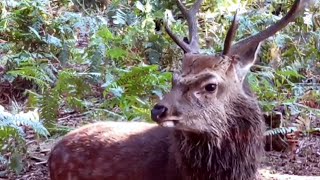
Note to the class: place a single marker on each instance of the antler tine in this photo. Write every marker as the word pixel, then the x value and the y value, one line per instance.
pixel 297 7
pixel 190 15
pixel 231 34
pixel 184 46
pixel 182 8
pixel 192 23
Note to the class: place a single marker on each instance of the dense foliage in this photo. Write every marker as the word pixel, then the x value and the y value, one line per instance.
pixel 112 60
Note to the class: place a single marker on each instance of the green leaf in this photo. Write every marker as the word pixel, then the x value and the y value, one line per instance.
pixel 158 92
pixel 53 41
pixel 35 32
pixel 148 7
pixel 117 53
pixel 140 6
pixel 118 91
pixel 105 34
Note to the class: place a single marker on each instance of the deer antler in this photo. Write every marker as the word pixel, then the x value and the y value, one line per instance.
pixel 298 6
pixel 231 34
pixel 190 15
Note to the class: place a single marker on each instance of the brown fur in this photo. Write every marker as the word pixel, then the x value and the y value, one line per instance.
pixel 111 150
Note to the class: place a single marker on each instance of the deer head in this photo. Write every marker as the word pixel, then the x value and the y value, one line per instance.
pixel 210 87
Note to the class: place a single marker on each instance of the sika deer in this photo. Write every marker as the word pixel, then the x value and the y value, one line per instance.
pixel 210 126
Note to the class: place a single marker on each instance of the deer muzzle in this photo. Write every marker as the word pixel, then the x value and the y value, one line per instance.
pixel 160 115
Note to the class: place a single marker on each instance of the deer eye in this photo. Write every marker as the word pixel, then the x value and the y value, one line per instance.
pixel 210 87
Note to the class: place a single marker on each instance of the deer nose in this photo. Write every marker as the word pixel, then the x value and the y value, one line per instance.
pixel 158 112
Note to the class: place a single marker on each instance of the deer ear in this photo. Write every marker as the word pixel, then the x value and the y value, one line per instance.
pixel 242 61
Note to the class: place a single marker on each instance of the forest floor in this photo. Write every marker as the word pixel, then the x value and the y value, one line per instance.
pixel 276 165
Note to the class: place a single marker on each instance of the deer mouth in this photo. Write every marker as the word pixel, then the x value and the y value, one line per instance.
pixel 169 123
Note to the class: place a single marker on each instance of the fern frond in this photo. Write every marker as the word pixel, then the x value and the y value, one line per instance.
pixel 49 106
pixel 281 130
pixel 33 73
pixel 30 119
pixel 72 83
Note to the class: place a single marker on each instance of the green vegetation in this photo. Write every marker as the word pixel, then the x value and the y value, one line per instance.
pixel 112 61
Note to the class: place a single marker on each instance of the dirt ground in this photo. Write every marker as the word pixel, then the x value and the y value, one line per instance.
pixel 276 165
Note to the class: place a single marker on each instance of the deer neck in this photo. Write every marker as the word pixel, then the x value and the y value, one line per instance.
pixel 235 156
